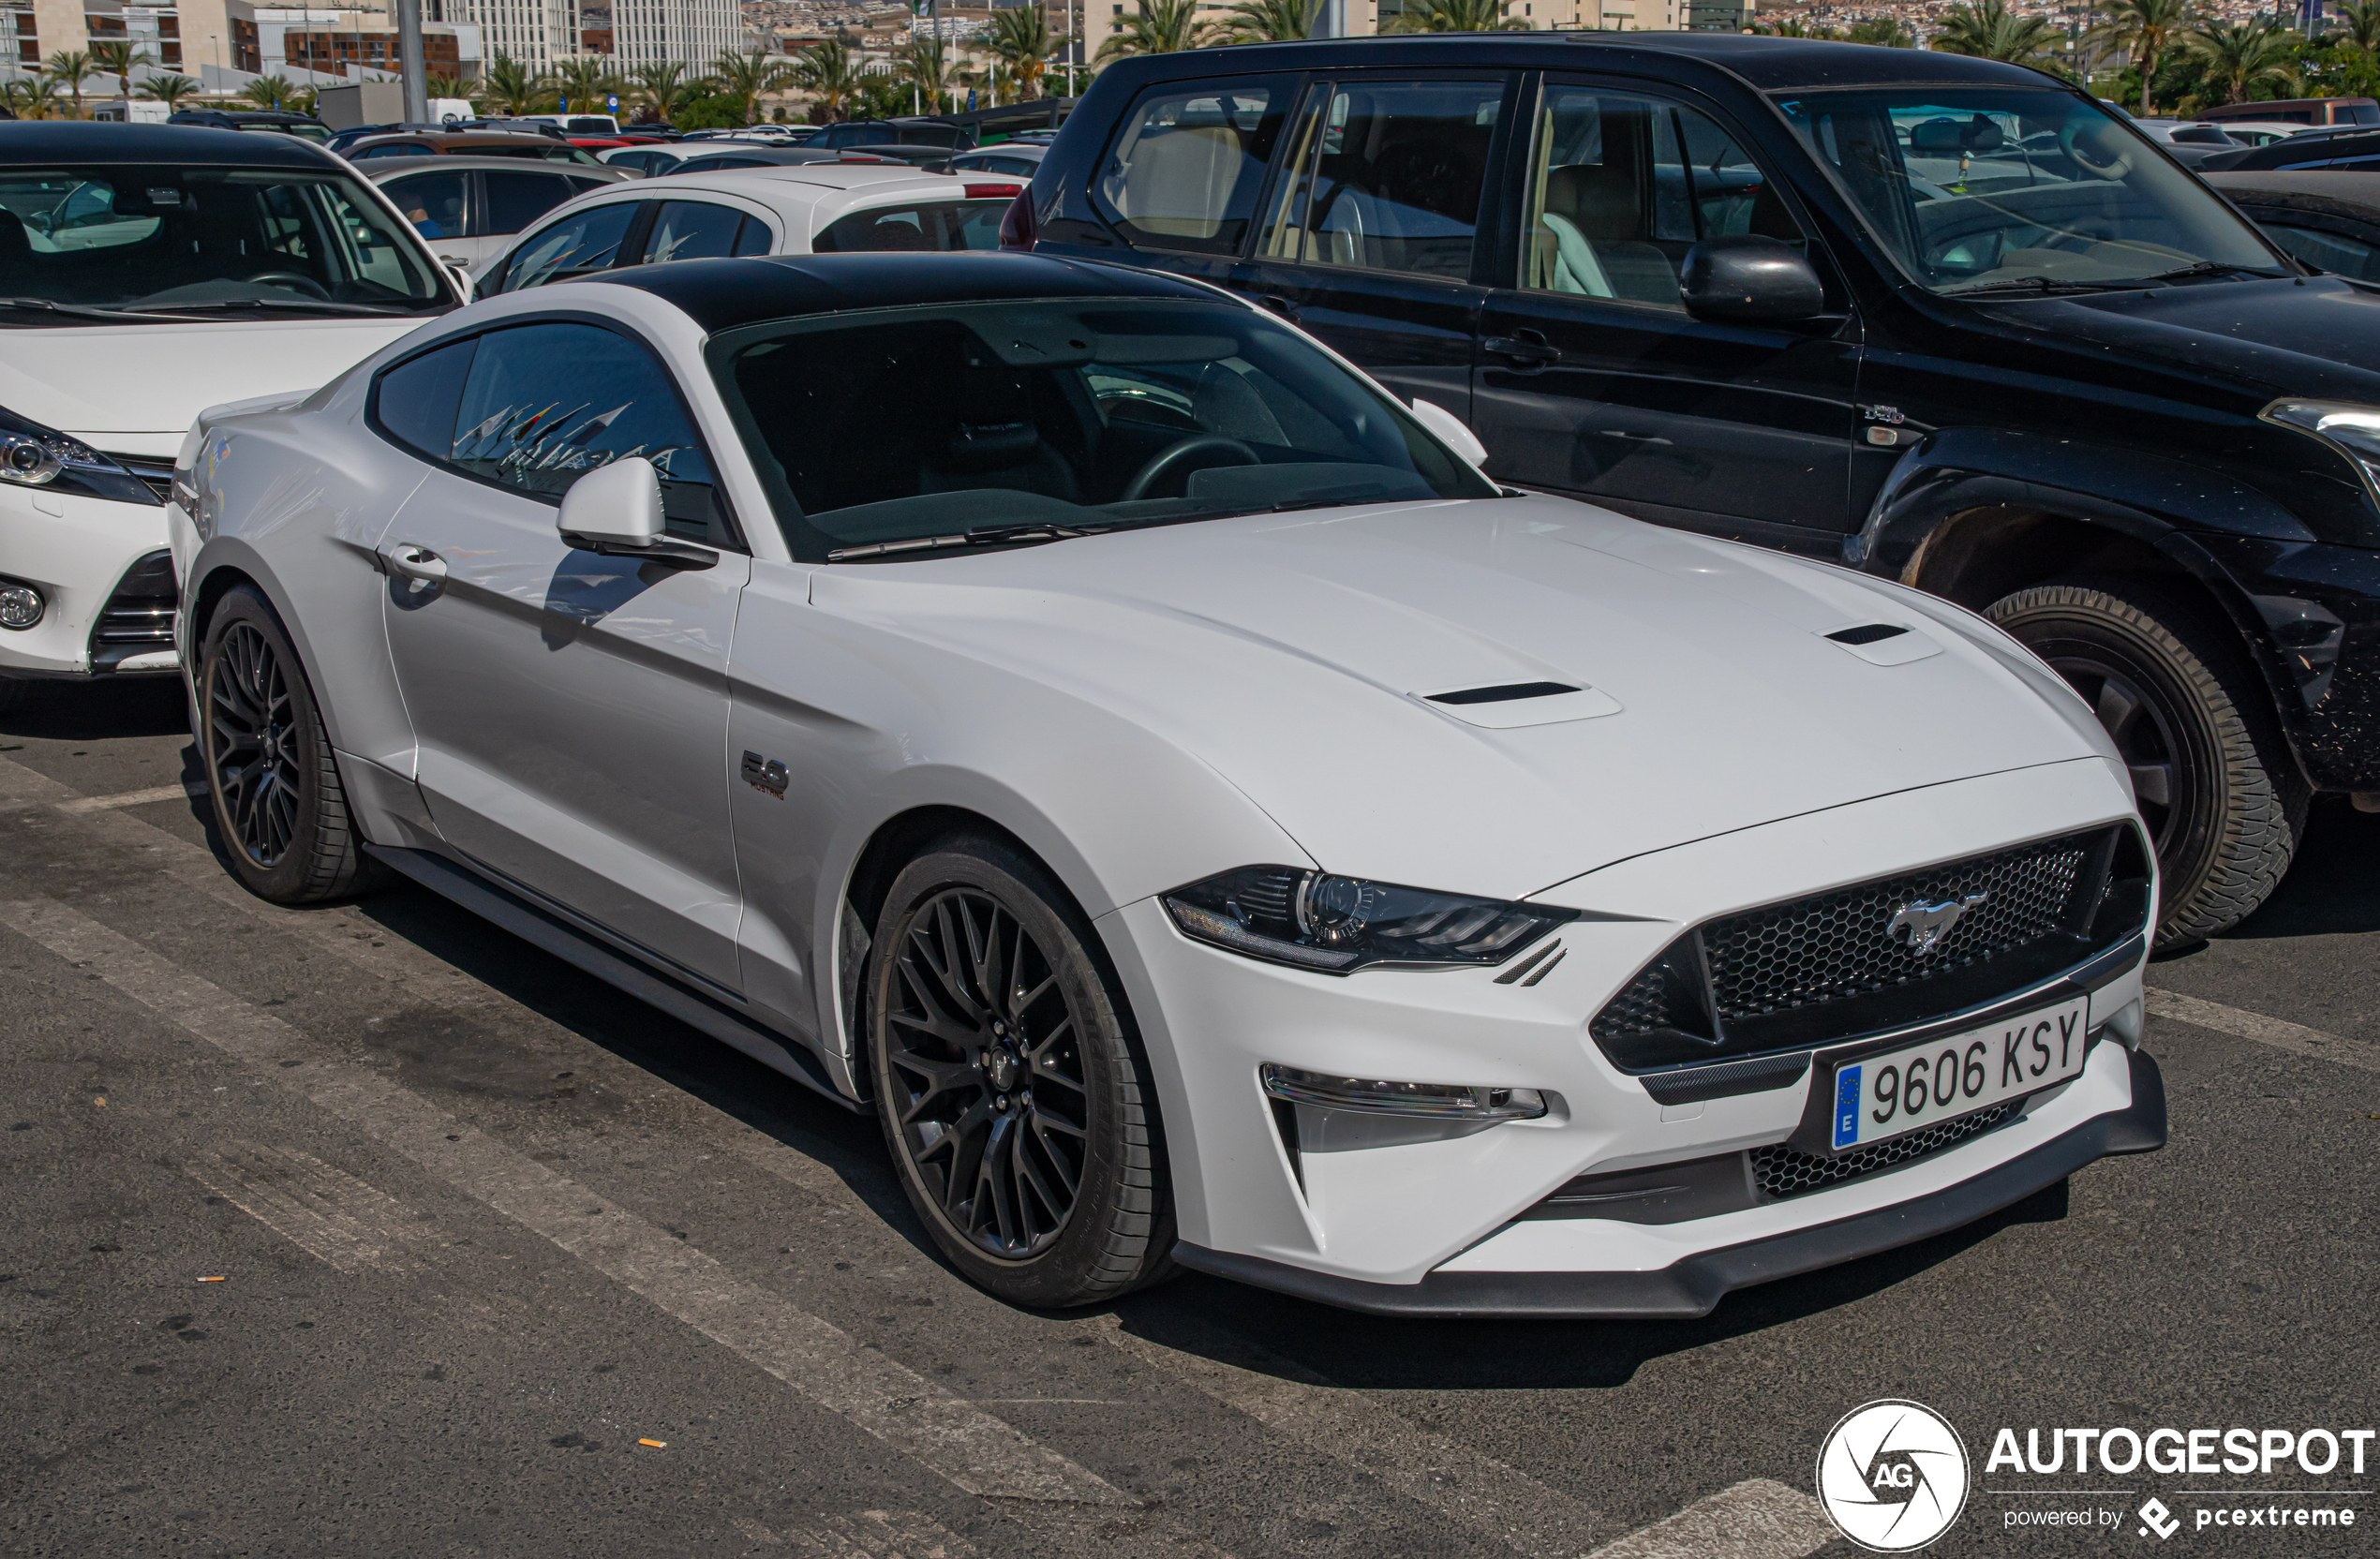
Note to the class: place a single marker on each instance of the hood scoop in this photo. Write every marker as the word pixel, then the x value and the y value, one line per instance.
pixel 1883 643
pixel 1506 706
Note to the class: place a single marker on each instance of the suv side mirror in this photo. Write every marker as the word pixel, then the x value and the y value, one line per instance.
pixel 1749 279
pixel 616 511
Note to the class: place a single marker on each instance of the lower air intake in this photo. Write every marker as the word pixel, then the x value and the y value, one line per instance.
pixel 1782 1171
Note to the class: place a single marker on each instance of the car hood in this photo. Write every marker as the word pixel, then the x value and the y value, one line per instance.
pixel 1286 653
pixel 105 380
pixel 2318 339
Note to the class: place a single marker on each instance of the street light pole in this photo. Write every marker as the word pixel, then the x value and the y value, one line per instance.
pixel 409 62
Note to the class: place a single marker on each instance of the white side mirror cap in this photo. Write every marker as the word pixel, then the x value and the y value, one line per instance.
pixel 462 282
pixel 1451 433
pixel 618 505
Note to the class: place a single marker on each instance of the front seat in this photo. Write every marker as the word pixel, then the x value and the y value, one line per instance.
pixel 995 442
pixel 1604 210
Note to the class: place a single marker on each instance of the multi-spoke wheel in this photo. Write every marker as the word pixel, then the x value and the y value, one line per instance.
pixel 2217 789
pixel 278 799
pixel 1007 1082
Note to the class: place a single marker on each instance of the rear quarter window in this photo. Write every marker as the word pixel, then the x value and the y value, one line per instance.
pixel 1189 161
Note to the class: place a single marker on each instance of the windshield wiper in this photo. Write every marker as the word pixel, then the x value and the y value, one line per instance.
pixel 982 535
pixel 89 311
pixel 312 306
pixel 2217 268
pixel 2039 286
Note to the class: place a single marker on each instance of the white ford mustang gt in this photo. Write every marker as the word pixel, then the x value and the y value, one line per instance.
pixel 1079 718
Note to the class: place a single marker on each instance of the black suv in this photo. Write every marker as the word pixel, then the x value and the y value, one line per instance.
pixel 1938 318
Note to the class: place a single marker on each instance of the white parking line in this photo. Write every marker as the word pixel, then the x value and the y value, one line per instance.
pixel 325 1213
pixel 2293 1037
pixel 132 799
pixel 980 1454
pixel 1757 1519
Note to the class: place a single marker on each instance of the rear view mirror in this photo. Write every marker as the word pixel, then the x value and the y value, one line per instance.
pixel 1450 432
pixel 616 509
pixel 1749 279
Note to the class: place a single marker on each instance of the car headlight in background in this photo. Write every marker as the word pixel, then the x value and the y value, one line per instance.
pixel 1337 925
pixel 2351 429
pixel 32 456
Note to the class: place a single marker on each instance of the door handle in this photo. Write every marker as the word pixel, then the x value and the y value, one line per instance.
pixel 415 562
pixel 1278 304
pixel 1529 348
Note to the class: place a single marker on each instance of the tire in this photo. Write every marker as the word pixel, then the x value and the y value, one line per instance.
pixel 990 1106
pixel 270 772
pixel 2218 792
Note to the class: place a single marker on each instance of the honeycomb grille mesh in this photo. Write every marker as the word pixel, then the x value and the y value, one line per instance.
pixel 1834 944
pixel 1654 1001
pixel 1782 1171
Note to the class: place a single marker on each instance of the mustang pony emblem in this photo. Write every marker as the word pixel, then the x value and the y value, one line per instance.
pixel 1927 924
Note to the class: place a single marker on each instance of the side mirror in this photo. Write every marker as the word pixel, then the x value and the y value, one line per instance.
pixel 1450 432
pixel 1749 279
pixel 463 283
pixel 616 509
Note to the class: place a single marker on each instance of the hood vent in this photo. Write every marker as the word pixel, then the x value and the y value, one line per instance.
pixel 1506 706
pixel 1883 643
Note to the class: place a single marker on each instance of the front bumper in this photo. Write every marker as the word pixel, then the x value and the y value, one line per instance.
pixel 77 552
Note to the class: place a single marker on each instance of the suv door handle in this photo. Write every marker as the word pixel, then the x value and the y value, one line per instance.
pixel 414 561
pixel 1527 348
pixel 1278 304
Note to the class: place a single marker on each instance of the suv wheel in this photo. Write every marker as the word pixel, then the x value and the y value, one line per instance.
pixel 2218 791
pixel 1009 1084
pixel 269 768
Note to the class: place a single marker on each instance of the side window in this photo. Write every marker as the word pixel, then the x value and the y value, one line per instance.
pixel 433 202
pixel 544 404
pixel 1387 176
pixel 755 238
pixel 585 241
pixel 937 225
pixel 691 229
pixel 2334 252
pixel 415 402
pixel 1622 185
pixel 1188 165
pixel 514 201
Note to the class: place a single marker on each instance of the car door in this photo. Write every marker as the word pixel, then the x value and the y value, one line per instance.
pixel 1593 379
pixel 571 708
pixel 1372 238
pixel 509 202
pixel 438 203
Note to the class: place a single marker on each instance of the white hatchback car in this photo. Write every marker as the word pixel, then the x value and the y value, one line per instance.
pixel 1076 716
pixel 797 209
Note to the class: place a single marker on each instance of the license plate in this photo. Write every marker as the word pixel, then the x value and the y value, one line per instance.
pixel 1906 1091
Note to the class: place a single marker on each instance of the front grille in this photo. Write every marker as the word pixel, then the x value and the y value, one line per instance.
pixel 1781 1171
pixel 1834 945
pixel 139 618
pixel 155 474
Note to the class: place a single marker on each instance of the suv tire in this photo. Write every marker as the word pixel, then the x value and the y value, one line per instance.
pixel 1009 1080
pixel 2218 792
pixel 270 771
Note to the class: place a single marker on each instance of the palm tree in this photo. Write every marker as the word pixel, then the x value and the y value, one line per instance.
pixel 1989 29
pixel 269 92
pixel 1274 22
pixel 1459 15
pixel 747 76
pixel 2363 18
pixel 586 80
pixel 514 87
pixel 1021 40
pixel 925 63
pixel 1160 27
pixel 118 58
pixel 168 90
pixel 68 67
pixel 661 89
pixel 2143 29
pixel 31 98
pixel 829 72
pixel 1886 33
pixel 2242 54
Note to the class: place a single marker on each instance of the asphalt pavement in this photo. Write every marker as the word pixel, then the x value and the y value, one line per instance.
pixel 371 1230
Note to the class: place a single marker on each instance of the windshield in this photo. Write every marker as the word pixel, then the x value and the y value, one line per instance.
pixel 2018 189
pixel 957 424
pixel 218 240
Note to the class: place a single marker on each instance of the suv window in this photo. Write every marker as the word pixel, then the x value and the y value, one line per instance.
pixel 516 200
pixel 544 404
pixel 1387 176
pixel 1189 163
pixel 575 245
pixel 935 224
pixel 1621 186
pixel 433 202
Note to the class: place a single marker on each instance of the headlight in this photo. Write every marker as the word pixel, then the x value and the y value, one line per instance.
pixel 1338 924
pixel 2353 430
pixel 32 456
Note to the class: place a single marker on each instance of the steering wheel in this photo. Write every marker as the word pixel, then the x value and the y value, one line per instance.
pixel 297 279
pixel 1162 463
pixel 2070 136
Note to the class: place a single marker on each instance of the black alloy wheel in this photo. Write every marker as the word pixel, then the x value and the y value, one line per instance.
pixel 2163 781
pixel 1009 1081
pixel 274 782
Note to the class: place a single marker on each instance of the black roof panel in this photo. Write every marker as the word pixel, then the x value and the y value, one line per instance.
pixel 722 294
pixel 49 140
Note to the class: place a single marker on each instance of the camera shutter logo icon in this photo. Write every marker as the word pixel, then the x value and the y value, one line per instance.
pixel 1892 1475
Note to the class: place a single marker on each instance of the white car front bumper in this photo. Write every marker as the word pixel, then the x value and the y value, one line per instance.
pixel 1399 1217
pixel 77 551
